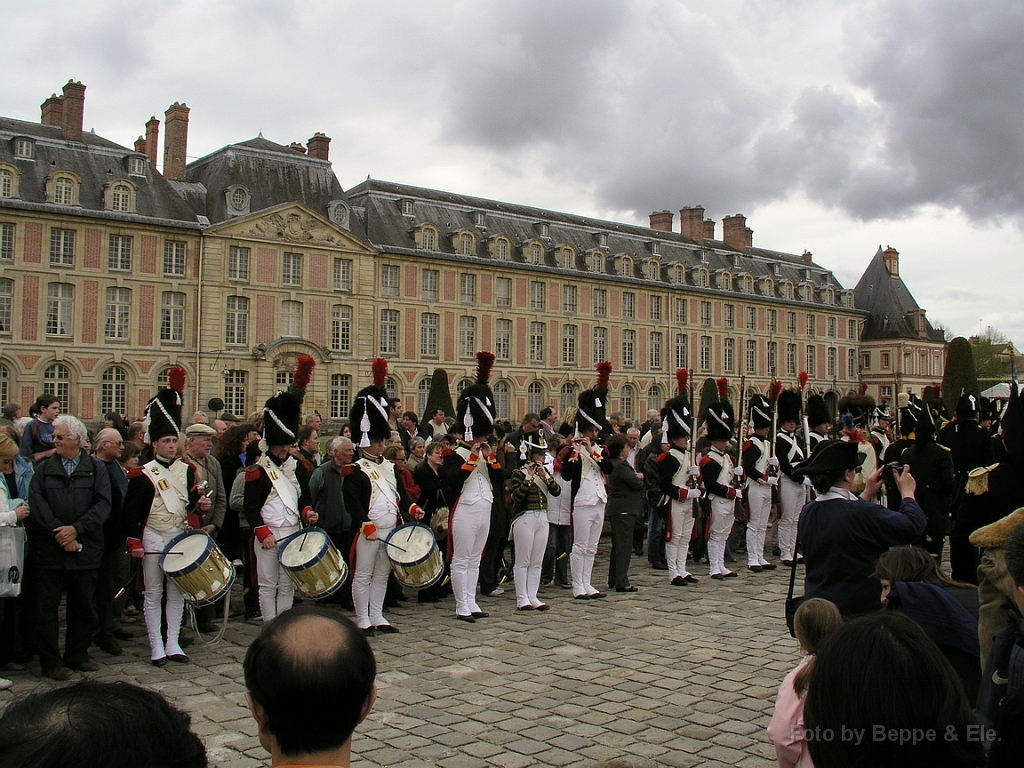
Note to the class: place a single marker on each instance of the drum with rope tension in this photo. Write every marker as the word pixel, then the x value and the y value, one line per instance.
pixel 198 568
pixel 414 555
pixel 313 563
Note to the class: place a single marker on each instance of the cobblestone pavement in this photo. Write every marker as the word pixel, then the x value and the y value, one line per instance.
pixel 682 676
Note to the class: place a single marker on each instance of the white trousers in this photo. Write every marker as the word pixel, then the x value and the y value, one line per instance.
pixel 587 521
pixel 722 517
pixel 530 533
pixel 469 528
pixel 276 587
pixel 759 496
pixel 154 579
pixel 792 496
pixel 370 580
pixel 682 529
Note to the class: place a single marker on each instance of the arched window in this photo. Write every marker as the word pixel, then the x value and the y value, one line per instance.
pixel 391 386
pixel 5 384
pixel 501 400
pixel 121 198
pixel 626 267
pixel 64 190
pixel 501 249
pixel 628 401
pixel 654 398
pixel 653 270
pixel 422 393
pixel 568 396
pixel 57 382
pixel 536 253
pixel 466 244
pixel 597 263
pixel 679 274
pixel 114 390
pixel 428 239
pixel 341 387
pixel 568 259
pixel 702 278
pixel 534 397
pixel 8 182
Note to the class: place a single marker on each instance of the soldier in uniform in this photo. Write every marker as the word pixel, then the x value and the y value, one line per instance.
pixel 677 481
pixel 277 500
pixel 932 466
pixel 881 436
pixel 819 419
pixel 717 472
pixel 789 451
pixel 760 481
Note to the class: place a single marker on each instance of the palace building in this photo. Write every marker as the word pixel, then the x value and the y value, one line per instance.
pixel 236 263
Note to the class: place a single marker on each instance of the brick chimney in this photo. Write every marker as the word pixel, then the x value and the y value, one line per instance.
pixel 53 111
pixel 152 139
pixel 140 144
pixel 319 147
pixel 892 261
pixel 807 256
pixel 709 229
pixel 73 112
pixel 296 146
pixel 736 233
pixel 691 222
pixel 175 141
pixel 662 221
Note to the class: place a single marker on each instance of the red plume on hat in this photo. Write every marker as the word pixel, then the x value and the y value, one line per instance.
pixel 304 366
pixel 380 371
pixel 863 388
pixel 176 379
pixel 802 378
pixel 682 380
pixel 163 412
pixel 484 364
pixel 474 411
pixel 774 391
pixel 723 388
pixel 604 374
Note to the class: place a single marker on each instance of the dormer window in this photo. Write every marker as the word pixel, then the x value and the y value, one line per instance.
pixel 602 239
pixel 768 287
pixel 787 290
pixel 427 237
pixel 120 197
pixel 545 229
pixel 466 244
pixel 830 296
pixel 136 166
pixel 654 270
pixel 502 249
pixel 725 280
pixel 655 247
pixel 339 212
pixel 626 267
pixel 536 253
pixel 237 198
pixel 847 298
pixel 568 258
pixel 679 274
pixel 702 278
pixel 597 263
pixel 407 207
pixel 24 149
pixel 747 284
pixel 478 218
pixel 62 189
pixel 805 292
pixel 8 181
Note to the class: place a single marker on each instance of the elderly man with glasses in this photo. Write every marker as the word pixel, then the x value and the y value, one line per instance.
pixel 70 501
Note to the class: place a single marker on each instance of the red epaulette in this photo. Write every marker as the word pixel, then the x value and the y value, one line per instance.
pixel 707 460
pixel 662 456
pixel 136 472
pixel 252 473
pixel 746 446
pixel 348 469
pixel 446 452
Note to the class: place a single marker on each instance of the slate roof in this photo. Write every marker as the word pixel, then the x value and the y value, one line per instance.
pixel 379 205
pixel 97 162
pixel 889 304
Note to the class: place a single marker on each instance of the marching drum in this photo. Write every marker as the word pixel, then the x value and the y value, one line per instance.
pixel 313 563
pixel 414 555
pixel 198 568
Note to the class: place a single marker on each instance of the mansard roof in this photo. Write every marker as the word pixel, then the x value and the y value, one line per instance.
pixel 889 303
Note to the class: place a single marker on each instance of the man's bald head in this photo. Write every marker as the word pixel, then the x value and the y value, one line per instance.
pixel 108 444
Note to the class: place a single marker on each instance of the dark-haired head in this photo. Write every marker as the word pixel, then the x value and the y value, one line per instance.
pixel 310 677
pixel 115 725
pixel 879 674
pixel 911 564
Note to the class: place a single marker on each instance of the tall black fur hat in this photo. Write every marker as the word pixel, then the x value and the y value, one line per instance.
pixel 967 407
pixel 1013 427
pixel 282 412
pixel 474 412
pixel 719 420
pixel 593 403
pixel 760 412
pixel 817 411
pixel 163 412
pixel 368 417
pixel 789 405
pixel 675 416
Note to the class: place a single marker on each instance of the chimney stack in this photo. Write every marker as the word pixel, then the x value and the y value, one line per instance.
pixel 175 141
pixel 807 256
pixel 662 221
pixel 709 229
pixel 53 111
pixel 140 145
pixel 297 147
pixel 736 233
pixel 73 111
pixel 892 261
pixel 152 140
pixel 319 147
pixel 691 223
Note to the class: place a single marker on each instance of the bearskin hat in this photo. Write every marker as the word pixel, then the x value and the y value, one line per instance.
pixel 760 411
pixel 924 432
pixel 474 412
pixel 1013 426
pixel 282 412
pixel 163 412
pixel 789 405
pixel 675 416
pixel 817 411
pixel 858 406
pixel 719 421
pixel 594 402
pixel 368 417
pixel 967 407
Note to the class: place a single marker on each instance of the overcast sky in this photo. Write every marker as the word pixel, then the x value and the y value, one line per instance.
pixel 834 126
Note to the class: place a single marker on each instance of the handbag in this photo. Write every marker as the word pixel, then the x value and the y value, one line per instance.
pixel 792 602
pixel 12 559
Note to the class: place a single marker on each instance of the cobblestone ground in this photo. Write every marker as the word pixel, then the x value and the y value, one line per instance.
pixel 682 676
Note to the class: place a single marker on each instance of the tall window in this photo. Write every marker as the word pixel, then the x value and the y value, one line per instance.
pixel 810 360
pixel 568 396
pixel 291 318
pixel 120 200
pixel 851 329
pixel 501 400
pixel 114 390
pixel 705 353
pixel 388 280
pixel 681 309
pixel 791 323
pixel 466 244
pixel 428 239
pixel 600 345
pixel 811 322
pixel 174 257
pixel 653 270
pixel 536 253
pixel 773 358
pixel 431 279
pixel 851 362
pixel 501 249
pixel 234 392
pixel 654 398
pixel 729 355
pixel 341 274
pixel 467 288
pixel 5 384
pixel 628 305
pixel 751 318
pixel 423 394
pixel 534 397
pixel 115 324
pixel 467 337
pixel 60 309
pixel 428 334
pixel 57 382
pixel 341 328
pixel 656 350
pixel 536 343
pixel 63 191
pixel 569 298
pixel 537 295
pixel 628 348
pixel 7 242
pixel 119 253
pixel 791 359
pixel 238 263
pixel 597 263
pixel 236 328
pixel 569 344
pixel 729 315
pixel 751 356
pixel 6 183
pixel 389 332
pixel 705 313
pixel 6 304
pixel 682 351
pixel 291 273
pixel 628 401
pixel 833 325
pixel 773 321
pixel 503 339
pixel 655 308
pixel 832 363
pixel 172 316
pixel 62 247
pixel 341 386
pixel 600 302
pixel 503 292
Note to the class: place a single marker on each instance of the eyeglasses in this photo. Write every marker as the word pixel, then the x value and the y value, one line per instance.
pixel 61 437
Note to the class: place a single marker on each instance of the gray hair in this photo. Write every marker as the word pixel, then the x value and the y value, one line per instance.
pixel 416 442
pixel 75 427
pixel 338 442
pixel 11 410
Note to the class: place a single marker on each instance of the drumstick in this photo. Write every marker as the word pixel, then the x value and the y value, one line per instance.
pixel 389 544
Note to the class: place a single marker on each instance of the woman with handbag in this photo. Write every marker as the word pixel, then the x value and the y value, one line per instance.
pixel 427 477
pixel 12 511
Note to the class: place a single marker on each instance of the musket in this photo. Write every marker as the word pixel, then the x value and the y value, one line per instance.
pixel 741 429
pixel 802 381
pixel 692 480
pixel 773 396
